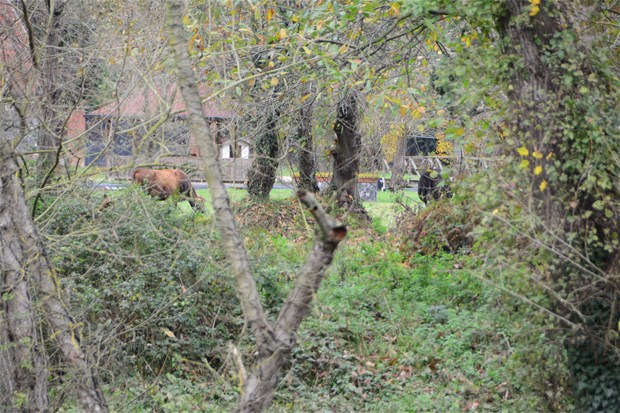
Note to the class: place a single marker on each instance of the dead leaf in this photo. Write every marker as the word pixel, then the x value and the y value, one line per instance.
pixel 168 333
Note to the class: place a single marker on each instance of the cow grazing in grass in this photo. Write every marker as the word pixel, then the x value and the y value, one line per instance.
pixel 163 183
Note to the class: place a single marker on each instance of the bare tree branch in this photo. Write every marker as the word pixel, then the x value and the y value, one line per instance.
pixel 274 343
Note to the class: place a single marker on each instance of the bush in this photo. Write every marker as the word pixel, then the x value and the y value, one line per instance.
pixel 441 226
pixel 146 278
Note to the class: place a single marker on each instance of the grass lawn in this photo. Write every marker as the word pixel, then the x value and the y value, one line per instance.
pixel 384 210
pixel 387 205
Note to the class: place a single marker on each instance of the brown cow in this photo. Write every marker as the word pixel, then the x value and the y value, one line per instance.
pixel 162 183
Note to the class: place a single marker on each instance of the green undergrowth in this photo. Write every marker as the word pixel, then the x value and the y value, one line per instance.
pixel 390 330
pixel 413 334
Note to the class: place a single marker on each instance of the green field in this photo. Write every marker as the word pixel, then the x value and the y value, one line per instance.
pixel 383 208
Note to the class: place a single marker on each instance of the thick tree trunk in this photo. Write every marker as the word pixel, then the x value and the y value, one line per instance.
pixel 23 367
pixel 552 77
pixel 262 173
pixel 307 163
pixel 347 151
pixel 24 264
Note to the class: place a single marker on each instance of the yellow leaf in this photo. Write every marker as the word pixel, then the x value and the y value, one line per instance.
pixel 192 40
pixel 394 9
pixel 308 51
pixel 524 164
pixel 523 151
pixel 270 14
pixel 549 156
pixel 168 333
pixel 186 21
pixel 543 185
pixel 282 34
pixel 538 170
pixel 403 110
pixel 535 2
pixel 534 10
pixel 537 155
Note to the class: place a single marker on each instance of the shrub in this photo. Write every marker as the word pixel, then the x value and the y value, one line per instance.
pixel 146 278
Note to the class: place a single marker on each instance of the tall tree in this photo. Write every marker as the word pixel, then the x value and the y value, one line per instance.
pixel 274 341
pixel 33 89
pixel 560 150
pixel 22 361
pixel 53 32
pixel 561 82
pixel 266 149
pixel 346 150
pixel 305 141
pixel 27 272
pixel 399 166
pixel 335 45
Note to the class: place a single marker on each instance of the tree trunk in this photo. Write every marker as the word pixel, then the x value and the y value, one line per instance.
pixel 44 24
pixel 262 173
pixel 398 169
pixel 347 151
pixel 307 163
pixel 260 385
pixel 555 74
pixel 26 263
pixel 274 342
pixel 22 365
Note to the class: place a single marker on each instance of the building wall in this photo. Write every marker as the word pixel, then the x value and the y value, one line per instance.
pixel 105 142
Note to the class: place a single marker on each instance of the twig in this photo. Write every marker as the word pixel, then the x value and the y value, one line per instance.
pixel 236 357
